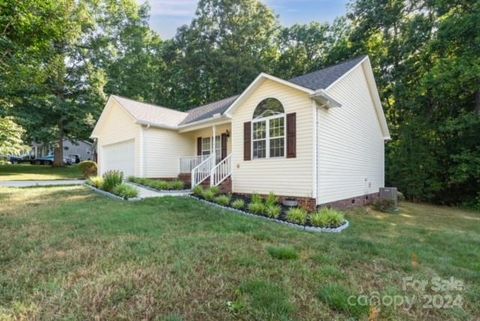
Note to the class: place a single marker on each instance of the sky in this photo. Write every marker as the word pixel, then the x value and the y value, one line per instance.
pixel 167 15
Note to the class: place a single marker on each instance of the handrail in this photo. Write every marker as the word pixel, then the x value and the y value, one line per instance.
pixel 203 170
pixel 221 171
pixel 187 163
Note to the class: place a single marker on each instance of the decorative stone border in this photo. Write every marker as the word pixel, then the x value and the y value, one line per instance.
pixel 165 191
pixel 297 226
pixel 111 195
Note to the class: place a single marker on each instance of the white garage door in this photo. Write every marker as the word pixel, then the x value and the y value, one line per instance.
pixel 120 156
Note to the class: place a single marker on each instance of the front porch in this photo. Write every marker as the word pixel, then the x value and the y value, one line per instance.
pixel 212 163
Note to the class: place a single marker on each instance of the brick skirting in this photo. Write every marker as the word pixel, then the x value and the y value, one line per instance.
pixel 352 202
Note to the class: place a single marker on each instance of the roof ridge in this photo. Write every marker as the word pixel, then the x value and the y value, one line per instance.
pixel 212 102
pixel 330 66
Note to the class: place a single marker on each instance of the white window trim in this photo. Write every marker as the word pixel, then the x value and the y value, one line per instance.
pixel 267 136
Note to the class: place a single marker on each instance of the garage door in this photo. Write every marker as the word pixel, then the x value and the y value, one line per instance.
pixel 120 156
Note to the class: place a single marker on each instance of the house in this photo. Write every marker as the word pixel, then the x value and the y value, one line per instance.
pixel 83 149
pixel 318 138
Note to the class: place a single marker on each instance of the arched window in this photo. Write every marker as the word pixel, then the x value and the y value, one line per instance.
pixel 268 129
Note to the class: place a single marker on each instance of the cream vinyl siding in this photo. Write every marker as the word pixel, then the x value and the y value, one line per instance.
pixel 350 142
pixel 162 150
pixel 283 176
pixel 118 126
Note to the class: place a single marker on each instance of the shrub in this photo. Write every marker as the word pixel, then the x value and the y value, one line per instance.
pixel 215 190
pixel 239 204
pixel 112 179
pixel 257 208
pixel 283 253
pixel 160 185
pixel 96 181
pixel 132 179
pixel 384 205
pixel 125 191
pixel 256 198
pixel 297 215
pixel 400 196
pixel 177 185
pixel 273 211
pixel 272 199
pixel 198 191
pixel 88 168
pixel 327 218
pixel 208 194
pixel 222 200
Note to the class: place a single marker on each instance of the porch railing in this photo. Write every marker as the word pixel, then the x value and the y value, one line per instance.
pixel 188 163
pixel 203 170
pixel 221 171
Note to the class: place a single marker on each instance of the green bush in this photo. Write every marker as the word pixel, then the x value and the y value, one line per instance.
pixel 384 205
pixel 198 191
pixel 273 211
pixel 272 199
pixel 96 181
pixel 327 217
pixel 160 185
pixel 239 204
pixel 125 191
pixel 177 185
pixel 400 196
pixel 257 208
pixel 283 253
pixel 88 168
pixel 297 215
pixel 256 198
pixel 222 200
pixel 208 194
pixel 112 179
pixel 215 190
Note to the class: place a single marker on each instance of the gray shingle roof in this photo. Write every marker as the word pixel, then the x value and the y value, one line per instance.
pixel 208 110
pixel 323 78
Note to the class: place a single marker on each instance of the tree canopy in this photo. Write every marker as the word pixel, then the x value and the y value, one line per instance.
pixel 59 60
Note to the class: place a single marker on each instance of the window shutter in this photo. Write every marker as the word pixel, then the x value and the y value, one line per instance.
pixel 224 145
pixel 199 146
pixel 247 140
pixel 291 135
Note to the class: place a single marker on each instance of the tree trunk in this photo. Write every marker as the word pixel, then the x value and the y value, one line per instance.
pixel 58 154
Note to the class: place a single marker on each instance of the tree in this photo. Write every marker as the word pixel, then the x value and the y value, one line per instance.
pixel 11 142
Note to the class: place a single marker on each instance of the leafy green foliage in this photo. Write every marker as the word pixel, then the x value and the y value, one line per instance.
pixel 198 191
pixel 239 204
pixel 112 179
pixel 327 217
pixel 11 142
pixel 384 205
pixel 256 198
pixel 88 168
pixel 208 194
pixel 215 190
pixel 96 181
pixel 125 191
pixel 158 184
pixel 222 200
pixel 283 252
pixel 272 199
pixel 273 211
pixel 297 216
pixel 257 208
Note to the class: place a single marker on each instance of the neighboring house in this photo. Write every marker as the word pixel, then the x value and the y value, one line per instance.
pixel 83 149
pixel 318 138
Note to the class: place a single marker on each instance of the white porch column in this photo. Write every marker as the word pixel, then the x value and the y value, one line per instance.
pixel 214 157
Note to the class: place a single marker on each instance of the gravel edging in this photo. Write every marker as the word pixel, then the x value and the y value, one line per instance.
pixel 111 195
pixel 166 191
pixel 297 226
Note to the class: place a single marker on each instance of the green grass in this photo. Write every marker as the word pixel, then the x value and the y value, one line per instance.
pixel 68 253
pixel 25 172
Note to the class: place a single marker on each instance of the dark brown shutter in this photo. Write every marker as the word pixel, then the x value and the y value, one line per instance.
pixel 199 146
pixel 291 135
pixel 224 146
pixel 247 140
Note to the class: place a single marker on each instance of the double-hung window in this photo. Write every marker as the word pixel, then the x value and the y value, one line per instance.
pixel 268 130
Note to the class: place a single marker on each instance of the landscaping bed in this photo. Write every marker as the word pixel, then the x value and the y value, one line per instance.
pixel 111 184
pixel 269 208
pixel 159 185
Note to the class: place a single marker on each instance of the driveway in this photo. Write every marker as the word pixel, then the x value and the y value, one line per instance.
pixel 41 183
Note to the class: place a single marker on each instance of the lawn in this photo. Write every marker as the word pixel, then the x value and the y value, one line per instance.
pixel 67 253
pixel 24 172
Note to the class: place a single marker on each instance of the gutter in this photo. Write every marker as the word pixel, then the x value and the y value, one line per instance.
pixel 324 99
